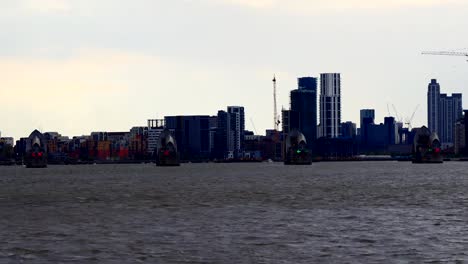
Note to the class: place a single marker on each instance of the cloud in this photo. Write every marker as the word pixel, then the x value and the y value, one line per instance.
pixel 101 89
pixel 307 5
pixel 47 6
pixel 87 71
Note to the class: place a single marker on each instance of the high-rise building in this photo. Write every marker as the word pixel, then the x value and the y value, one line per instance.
pixel 192 134
pixel 304 107
pixel 237 116
pixel 230 133
pixel 433 101
pixel 450 110
pixel 443 111
pixel 391 127
pixel 366 113
pixel 330 105
pixel 367 117
pixel 222 135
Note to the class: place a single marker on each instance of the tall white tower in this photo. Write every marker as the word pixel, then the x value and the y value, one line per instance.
pixel 330 105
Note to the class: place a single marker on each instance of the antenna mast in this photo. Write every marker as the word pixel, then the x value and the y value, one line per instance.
pixel 275 118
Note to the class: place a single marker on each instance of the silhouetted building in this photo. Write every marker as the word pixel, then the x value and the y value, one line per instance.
pixel 230 133
pixel 192 134
pixel 236 139
pixel 367 122
pixel 450 111
pixel 330 105
pixel 367 113
pixel 290 120
pixel 433 102
pixel 304 108
pixel 392 130
pixel 348 130
pixel 461 135
pixel 379 137
pixel 443 111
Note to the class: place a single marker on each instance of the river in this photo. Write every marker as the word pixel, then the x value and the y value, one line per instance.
pixel 349 212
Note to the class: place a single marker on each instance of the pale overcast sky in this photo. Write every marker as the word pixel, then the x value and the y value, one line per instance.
pixel 77 66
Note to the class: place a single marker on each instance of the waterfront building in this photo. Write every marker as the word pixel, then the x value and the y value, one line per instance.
pixel 304 109
pixel 392 128
pixel 192 134
pixel 237 119
pixel 289 120
pixel 7 141
pixel 366 113
pixel 443 111
pixel 367 117
pixel 433 102
pixel 450 110
pixel 230 133
pixel 330 105
pixel 378 137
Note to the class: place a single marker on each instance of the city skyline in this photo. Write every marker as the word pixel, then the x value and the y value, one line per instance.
pixel 86 61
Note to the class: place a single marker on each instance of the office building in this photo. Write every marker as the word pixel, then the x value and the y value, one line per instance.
pixel 304 109
pixel 192 134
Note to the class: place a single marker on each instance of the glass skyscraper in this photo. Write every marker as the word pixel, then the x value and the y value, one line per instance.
pixel 304 109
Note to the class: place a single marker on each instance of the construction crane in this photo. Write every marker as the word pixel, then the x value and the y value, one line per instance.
pixel 253 125
pixel 409 120
pixel 446 53
pixel 275 111
pixel 398 117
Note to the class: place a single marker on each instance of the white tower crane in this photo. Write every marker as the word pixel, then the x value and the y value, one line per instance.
pixel 446 53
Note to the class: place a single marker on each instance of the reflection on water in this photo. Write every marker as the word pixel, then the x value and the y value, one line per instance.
pixel 381 212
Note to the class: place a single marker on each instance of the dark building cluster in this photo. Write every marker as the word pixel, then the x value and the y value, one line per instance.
pixel 315 111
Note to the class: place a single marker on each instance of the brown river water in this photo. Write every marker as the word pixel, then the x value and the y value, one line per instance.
pixel 359 212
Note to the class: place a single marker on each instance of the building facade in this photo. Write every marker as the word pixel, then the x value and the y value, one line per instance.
pixel 330 105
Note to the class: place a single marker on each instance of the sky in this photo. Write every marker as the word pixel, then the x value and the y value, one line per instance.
pixel 77 66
